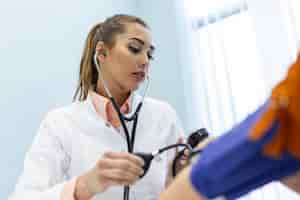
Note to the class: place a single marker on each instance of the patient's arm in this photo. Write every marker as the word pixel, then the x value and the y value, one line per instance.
pixel 293 182
pixel 181 188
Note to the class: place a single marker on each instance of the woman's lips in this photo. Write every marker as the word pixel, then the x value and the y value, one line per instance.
pixel 139 76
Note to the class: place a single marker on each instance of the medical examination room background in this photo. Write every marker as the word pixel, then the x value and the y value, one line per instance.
pixel 215 62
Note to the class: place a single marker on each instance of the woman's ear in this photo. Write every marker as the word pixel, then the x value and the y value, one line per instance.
pixel 101 50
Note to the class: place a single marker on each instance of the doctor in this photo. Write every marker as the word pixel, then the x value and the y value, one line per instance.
pixel 80 150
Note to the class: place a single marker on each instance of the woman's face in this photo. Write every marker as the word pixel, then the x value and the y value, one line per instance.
pixel 126 64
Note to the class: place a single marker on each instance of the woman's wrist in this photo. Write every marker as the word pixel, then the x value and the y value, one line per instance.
pixel 82 191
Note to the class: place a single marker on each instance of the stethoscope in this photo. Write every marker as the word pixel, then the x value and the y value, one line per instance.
pixel 134 117
pixel 123 119
pixel 193 139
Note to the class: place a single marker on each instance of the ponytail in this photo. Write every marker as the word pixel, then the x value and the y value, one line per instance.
pixel 88 74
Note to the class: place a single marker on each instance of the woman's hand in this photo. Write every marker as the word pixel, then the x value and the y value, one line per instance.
pixel 112 169
pixel 183 161
pixel 205 142
pixel 180 164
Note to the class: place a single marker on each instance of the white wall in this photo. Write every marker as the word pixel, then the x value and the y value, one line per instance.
pixel 40 48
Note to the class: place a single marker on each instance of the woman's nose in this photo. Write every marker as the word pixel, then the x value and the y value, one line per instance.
pixel 144 66
pixel 144 62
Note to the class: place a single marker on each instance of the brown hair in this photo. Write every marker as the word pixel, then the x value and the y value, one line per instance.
pixel 106 32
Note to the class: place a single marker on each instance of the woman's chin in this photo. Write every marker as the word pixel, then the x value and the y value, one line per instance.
pixel 134 86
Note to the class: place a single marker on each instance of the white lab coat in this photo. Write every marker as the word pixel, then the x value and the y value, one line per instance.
pixel 71 139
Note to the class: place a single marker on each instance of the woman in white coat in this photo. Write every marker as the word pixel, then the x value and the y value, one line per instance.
pixel 80 150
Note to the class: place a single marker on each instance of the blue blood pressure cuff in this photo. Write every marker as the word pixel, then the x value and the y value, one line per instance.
pixel 234 165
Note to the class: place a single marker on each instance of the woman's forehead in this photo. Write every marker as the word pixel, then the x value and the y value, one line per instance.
pixel 138 33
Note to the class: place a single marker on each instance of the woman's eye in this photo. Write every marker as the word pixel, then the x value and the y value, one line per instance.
pixel 150 56
pixel 134 49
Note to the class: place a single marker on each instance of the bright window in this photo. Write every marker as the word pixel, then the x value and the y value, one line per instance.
pixel 228 67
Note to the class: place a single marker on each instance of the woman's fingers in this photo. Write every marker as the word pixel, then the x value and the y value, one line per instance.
pixel 121 164
pixel 180 140
pixel 184 157
pixel 204 143
pixel 118 176
pixel 113 168
pixel 115 182
pixel 125 156
pixel 119 168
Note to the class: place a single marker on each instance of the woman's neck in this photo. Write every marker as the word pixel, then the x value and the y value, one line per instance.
pixel 117 93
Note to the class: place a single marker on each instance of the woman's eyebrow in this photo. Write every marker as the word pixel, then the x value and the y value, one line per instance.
pixel 152 48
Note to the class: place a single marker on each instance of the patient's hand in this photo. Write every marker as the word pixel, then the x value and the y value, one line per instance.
pixel 181 188
pixel 293 182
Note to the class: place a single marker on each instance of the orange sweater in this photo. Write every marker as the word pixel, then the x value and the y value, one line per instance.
pixel 284 107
